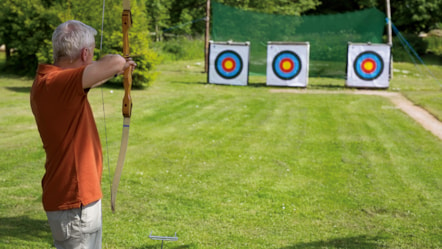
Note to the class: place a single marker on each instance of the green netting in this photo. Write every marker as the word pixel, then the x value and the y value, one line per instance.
pixel 328 35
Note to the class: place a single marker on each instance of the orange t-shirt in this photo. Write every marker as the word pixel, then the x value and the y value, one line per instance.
pixel 70 138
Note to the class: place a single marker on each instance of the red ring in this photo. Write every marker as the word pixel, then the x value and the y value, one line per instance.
pixel 225 61
pixel 281 65
pixel 368 60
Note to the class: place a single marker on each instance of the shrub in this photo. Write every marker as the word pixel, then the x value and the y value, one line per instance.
pixel 400 52
pixel 180 48
pixel 434 40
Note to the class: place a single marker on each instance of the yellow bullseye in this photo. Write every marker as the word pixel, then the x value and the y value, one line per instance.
pixel 228 65
pixel 286 65
pixel 368 66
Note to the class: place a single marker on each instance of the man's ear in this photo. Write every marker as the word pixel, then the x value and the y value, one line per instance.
pixel 84 54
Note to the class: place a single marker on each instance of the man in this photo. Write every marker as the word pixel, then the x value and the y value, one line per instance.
pixel 72 181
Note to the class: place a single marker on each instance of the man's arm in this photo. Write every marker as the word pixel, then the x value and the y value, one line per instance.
pixel 104 69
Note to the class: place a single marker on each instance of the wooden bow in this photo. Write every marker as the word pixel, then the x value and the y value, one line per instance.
pixel 127 102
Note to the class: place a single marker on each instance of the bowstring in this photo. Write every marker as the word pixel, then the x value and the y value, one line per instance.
pixel 102 100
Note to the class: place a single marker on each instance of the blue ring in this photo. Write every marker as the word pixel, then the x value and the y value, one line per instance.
pixel 238 64
pixel 357 65
pixel 297 65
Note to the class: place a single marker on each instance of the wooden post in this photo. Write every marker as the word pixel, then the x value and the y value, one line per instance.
pixel 390 38
pixel 207 38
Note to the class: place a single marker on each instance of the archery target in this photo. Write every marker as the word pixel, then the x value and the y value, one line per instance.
pixel 287 64
pixel 228 63
pixel 368 65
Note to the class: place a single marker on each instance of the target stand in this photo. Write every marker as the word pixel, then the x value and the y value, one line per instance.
pixel 163 238
pixel 229 63
pixel 287 64
pixel 368 65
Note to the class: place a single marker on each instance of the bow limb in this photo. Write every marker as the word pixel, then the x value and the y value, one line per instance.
pixel 120 163
pixel 127 102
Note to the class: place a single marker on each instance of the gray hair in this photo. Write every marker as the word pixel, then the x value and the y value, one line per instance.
pixel 70 37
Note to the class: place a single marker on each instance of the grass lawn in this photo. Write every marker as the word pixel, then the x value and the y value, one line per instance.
pixel 419 85
pixel 240 167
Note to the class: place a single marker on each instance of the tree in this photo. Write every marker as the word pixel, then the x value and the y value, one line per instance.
pixel 186 11
pixel 281 7
pixel 415 16
pixel 410 16
pixel 145 57
pixel 158 16
pixel 26 29
pixel 332 7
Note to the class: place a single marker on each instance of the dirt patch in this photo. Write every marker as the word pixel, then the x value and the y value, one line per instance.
pixel 420 115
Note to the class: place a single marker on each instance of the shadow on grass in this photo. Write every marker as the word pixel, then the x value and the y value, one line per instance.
pixel 19 89
pixel 261 84
pixel 164 246
pixel 358 242
pixel 25 229
pixel 189 82
pixel 27 89
pixel 327 86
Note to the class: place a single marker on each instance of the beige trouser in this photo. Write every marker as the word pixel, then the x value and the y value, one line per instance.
pixel 78 228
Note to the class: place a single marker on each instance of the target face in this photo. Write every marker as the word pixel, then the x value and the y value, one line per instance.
pixel 286 65
pixel 368 65
pixel 228 64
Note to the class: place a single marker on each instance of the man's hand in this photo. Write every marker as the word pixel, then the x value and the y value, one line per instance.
pixel 129 63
